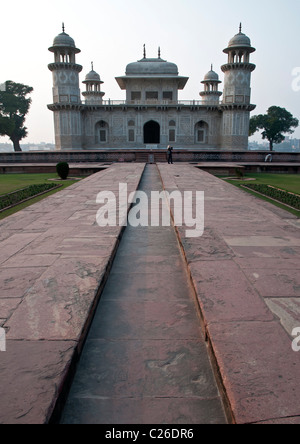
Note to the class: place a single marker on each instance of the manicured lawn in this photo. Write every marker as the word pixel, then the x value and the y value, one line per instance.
pixel 287 182
pixel 13 182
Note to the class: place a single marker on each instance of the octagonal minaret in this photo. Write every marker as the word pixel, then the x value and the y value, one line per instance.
pixel 66 93
pixel 211 94
pixel 93 94
pixel 236 104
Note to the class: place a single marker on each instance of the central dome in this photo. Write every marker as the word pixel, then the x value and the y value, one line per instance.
pixel 153 67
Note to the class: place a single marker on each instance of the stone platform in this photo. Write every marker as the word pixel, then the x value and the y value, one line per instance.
pixel 245 271
pixel 142 155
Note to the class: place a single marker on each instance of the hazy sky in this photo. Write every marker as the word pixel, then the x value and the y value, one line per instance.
pixel 111 33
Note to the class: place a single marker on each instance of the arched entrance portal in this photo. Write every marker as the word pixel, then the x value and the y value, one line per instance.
pixel 151 132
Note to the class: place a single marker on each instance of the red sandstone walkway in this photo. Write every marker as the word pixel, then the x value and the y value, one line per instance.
pixel 54 258
pixel 245 269
pixel 145 359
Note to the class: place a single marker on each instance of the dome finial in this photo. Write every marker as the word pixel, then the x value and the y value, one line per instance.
pixel 63 27
pixel 144 51
pixel 241 28
pixel 92 66
pixel 159 52
pixel 211 68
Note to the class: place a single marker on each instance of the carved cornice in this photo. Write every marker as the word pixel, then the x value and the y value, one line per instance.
pixel 65 106
pixel 97 107
pixel 238 66
pixel 211 93
pixel 93 93
pixel 60 66
pixel 236 106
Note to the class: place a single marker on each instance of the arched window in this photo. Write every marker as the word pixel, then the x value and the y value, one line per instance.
pixel 172 131
pixel 201 132
pixel 131 131
pixel 101 132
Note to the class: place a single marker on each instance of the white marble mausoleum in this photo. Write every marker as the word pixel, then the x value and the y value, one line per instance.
pixel 152 115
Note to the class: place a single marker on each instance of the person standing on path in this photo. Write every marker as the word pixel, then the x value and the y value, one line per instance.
pixel 170 154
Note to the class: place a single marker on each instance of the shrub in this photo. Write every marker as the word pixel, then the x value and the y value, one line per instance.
pixel 63 170
pixel 285 197
pixel 16 197
pixel 239 173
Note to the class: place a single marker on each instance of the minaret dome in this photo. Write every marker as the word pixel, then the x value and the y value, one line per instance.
pixel 211 94
pixel 93 93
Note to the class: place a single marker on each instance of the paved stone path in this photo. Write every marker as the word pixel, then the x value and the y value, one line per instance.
pixel 54 262
pixel 145 359
pixel 54 258
pixel 246 272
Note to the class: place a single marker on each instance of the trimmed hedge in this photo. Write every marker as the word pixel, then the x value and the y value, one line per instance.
pixel 63 169
pixel 18 196
pixel 285 197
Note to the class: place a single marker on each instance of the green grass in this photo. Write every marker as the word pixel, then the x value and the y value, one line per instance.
pixel 287 182
pixel 13 182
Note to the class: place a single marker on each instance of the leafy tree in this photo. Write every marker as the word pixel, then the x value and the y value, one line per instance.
pixel 5 124
pixel 14 105
pixel 275 123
